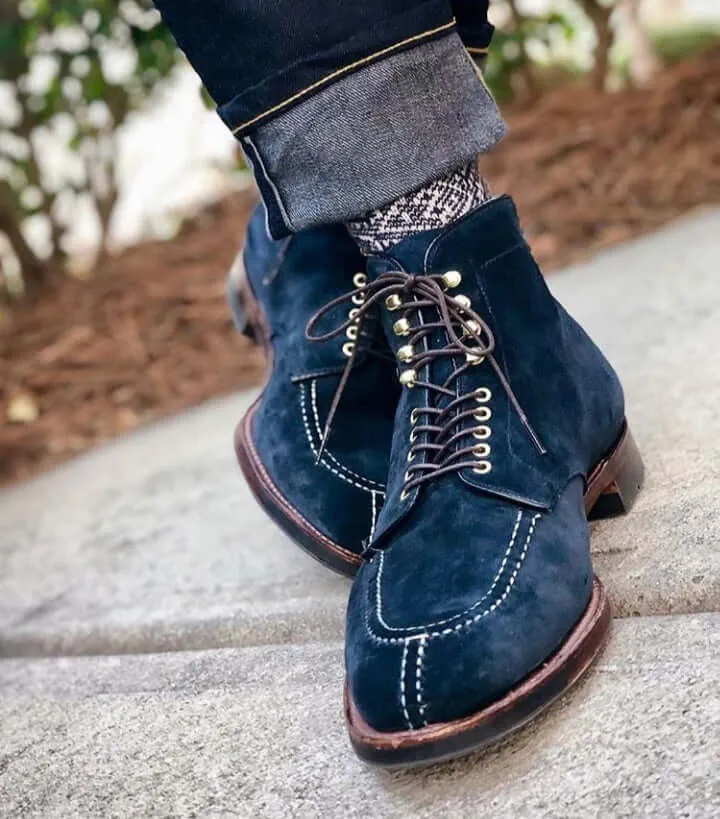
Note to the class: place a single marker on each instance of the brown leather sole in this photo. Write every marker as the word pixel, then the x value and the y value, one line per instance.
pixel 312 541
pixel 442 741
pixel 615 482
pixel 611 489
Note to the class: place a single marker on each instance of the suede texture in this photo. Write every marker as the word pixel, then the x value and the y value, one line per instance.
pixel 475 580
pixel 341 495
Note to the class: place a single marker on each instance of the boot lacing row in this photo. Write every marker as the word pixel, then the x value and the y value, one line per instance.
pixel 468 341
pixel 353 328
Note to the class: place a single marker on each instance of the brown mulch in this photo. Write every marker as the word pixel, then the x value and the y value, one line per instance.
pixel 590 171
pixel 151 333
pixel 149 336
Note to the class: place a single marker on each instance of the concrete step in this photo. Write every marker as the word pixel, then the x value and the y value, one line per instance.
pixel 258 732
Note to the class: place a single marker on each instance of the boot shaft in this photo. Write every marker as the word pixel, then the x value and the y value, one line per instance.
pixel 292 278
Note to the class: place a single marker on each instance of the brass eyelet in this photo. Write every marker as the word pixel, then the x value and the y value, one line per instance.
pixel 406 353
pixel 471 327
pixel 408 378
pixel 348 348
pixel 410 456
pixel 482 414
pixel 408 476
pixel 482 468
pixel 481 450
pixel 451 278
pixel 404 495
pixel 393 302
pixel 358 298
pixel 353 313
pixel 360 280
pixel 352 332
pixel 474 358
pixel 462 301
pixel 401 327
pixel 483 432
pixel 414 415
pixel 482 394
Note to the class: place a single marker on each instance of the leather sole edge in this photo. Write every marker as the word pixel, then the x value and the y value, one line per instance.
pixel 267 494
pixel 442 741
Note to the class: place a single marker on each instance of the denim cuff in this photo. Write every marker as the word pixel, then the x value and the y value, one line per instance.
pixel 373 136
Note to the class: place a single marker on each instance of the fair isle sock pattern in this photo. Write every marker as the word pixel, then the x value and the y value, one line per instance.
pixel 436 204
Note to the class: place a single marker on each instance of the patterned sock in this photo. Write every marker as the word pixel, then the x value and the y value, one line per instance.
pixel 436 204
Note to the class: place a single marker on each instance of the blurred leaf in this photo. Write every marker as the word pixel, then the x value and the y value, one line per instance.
pixel 208 101
pixel 98 26
pixel 22 408
pixel 681 42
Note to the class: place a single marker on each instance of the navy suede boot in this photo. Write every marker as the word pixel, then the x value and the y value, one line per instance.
pixel 478 605
pixel 326 498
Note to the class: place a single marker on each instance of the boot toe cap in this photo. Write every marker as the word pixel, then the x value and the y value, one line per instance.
pixel 446 668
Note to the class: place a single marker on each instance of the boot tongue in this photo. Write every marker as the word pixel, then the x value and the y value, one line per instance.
pixel 479 246
pixel 408 255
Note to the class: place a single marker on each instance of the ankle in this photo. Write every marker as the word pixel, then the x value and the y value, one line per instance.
pixel 432 206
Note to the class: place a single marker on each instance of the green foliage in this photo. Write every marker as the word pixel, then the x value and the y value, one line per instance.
pixel 675 44
pixel 531 52
pixel 510 68
pixel 75 70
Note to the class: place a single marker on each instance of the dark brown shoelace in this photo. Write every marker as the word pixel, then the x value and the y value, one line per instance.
pixel 469 341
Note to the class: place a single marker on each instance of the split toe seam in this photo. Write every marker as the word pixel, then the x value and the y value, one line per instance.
pixel 423 629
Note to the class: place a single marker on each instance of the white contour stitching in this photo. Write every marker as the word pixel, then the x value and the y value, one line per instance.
pixel 374 517
pixel 403 700
pixel 378 589
pixel 418 678
pixel 470 621
pixel 313 393
pixel 308 433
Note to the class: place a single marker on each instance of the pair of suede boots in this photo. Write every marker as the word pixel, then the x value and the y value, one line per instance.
pixel 436 425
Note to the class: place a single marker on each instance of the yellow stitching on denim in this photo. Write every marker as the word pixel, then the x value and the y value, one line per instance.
pixel 481 77
pixel 344 70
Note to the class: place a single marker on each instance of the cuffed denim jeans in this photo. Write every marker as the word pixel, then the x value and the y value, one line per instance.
pixel 342 107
